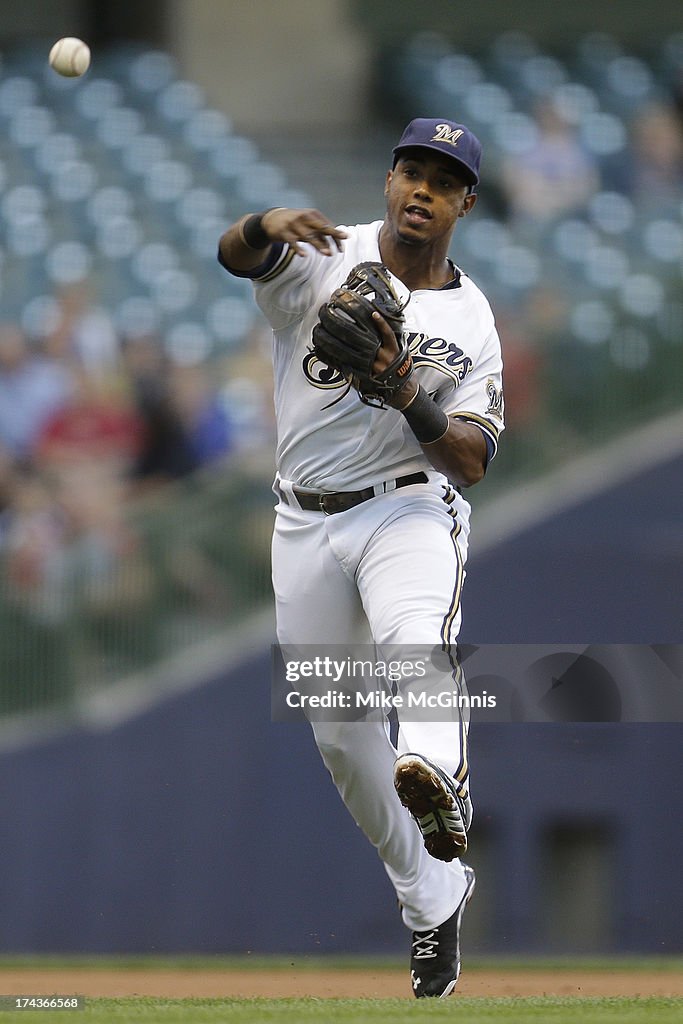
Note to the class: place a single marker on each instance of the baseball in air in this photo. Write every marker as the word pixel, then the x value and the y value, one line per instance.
pixel 70 57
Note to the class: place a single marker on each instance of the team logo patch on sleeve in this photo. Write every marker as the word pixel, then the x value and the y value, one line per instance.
pixel 496 402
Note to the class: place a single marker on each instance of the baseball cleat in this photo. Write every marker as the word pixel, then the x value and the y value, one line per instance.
pixel 430 796
pixel 435 954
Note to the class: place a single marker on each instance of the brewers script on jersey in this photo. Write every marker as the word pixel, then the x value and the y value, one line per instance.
pixel 389 570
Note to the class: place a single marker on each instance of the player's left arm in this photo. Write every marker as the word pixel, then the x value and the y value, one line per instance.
pixel 460 452
pixel 457 445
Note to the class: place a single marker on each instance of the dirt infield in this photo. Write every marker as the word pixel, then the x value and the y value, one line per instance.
pixel 333 983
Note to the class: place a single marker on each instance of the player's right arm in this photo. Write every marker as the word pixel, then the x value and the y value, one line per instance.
pixel 245 246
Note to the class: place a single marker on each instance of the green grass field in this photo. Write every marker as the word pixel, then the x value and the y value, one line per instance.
pixel 51 974
pixel 359 1011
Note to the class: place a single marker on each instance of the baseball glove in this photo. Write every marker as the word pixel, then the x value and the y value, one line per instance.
pixel 347 340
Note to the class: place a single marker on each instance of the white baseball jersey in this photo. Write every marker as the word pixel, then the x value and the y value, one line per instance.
pixel 349 445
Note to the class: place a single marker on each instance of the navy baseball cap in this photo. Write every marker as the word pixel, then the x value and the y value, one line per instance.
pixel 453 140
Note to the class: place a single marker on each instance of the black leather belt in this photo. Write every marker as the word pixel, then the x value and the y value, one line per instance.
pixel 330 502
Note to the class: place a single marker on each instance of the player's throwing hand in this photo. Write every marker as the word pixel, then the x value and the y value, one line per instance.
pixel 296 226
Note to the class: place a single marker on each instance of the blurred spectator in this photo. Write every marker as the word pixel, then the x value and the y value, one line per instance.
pixel 93 425
pixel 523 362
pixel 553 177
pixel 32 387
pixel 69 552
pixel 7 470
pixel 202 412
pixel 83 332
pixel 165 451
pixel 33 547
pixel 530 330
pixel 655 172
pixel 247 392
pixel 107 568
pixel 35 648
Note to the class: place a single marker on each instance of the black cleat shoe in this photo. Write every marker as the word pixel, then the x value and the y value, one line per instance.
pixel 430 796
pixel 435 956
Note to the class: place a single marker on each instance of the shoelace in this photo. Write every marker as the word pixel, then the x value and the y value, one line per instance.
pixel 426 945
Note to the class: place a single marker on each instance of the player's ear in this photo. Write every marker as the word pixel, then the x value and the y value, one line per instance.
pixel 387 183
pixel 468 204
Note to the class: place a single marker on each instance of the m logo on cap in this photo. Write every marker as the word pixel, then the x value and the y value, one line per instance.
pixel 444 133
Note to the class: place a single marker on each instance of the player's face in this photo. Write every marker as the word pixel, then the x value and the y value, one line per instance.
pixel 425 196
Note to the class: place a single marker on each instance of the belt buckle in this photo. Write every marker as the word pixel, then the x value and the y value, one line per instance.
pixel 321 504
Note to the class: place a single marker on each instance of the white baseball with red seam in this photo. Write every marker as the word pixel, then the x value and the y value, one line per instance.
pixel 70 57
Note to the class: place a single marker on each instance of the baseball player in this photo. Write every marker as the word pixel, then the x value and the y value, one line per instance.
pixel 371 526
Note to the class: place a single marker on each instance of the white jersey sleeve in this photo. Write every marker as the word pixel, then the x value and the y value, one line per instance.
pixel 479 399
pixel 457 355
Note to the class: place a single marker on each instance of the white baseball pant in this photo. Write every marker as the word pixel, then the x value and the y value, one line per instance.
pixel 387 572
